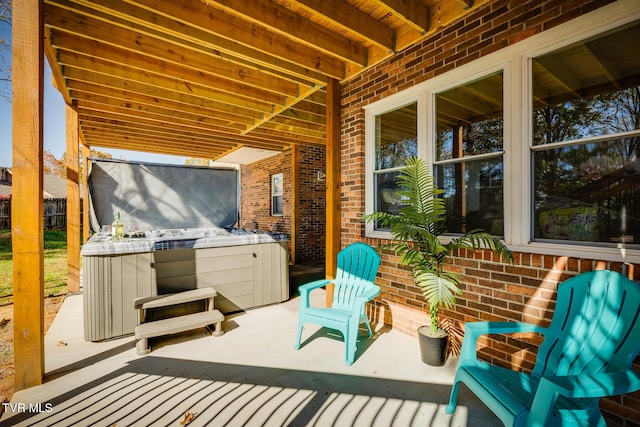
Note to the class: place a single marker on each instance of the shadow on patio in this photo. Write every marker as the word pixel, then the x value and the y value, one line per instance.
pixel 250 376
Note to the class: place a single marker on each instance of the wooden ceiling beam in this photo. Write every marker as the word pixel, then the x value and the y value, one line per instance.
pixel 170 36
pixel 292 25
pixel 266 135
pixel 353 19
pixel 219 29
pixel 149 146
pixel 415 13
pixel 161 115
pixel 106 135
pixel 182 97
pixel 289 135
pixel 85 91
pixel 221 90
pixel 165 61
pixel 304 116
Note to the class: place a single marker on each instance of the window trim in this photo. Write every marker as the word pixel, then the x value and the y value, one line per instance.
pixel 275 194
pixel 515 61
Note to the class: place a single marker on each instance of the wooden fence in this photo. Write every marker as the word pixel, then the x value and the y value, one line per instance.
pixel 55 214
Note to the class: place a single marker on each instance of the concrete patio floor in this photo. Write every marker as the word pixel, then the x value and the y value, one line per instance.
pixel 250 376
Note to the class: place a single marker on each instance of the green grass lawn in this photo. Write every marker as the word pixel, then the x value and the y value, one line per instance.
pixel 55 264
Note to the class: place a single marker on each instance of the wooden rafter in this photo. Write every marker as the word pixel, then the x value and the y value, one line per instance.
pixel 220 74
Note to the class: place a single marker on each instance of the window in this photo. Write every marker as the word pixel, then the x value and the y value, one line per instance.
pixel 277 194
pixel 468 162
pixel 395 142
pixel 586 140
pixel 537 143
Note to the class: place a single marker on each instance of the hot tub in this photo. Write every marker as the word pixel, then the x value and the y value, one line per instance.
pixel 247 268
pixel 179 235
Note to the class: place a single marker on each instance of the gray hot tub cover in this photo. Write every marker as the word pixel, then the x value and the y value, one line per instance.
pixel 155 196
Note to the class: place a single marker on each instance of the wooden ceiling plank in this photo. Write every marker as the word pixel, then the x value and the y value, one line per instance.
pixel 70 17
pixel 280 108
pixel 191 63
pixel 150 146
pixel 89 117
pixel 305 116
pixel 341 13
pixel 213 131
pixel 162 115
pixel 86 91
pixel 182 97
pixel 142 123
pixel 221 24
pixel 223 91
pixel 310 108
pixel 290 24
pixel 203 26
pixel 297 123
pixel 289 128
pixel 107 136
pixel 415 13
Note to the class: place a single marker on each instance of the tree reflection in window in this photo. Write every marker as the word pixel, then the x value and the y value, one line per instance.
pixel 586 136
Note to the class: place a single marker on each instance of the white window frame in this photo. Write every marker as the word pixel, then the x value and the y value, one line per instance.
pixel 275 193
pixel 515 62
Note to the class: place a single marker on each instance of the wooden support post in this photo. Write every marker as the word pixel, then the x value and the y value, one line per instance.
pixel 86 223
pixel 73 201
pixel 27 229
pixel 295 200
pixel 333 183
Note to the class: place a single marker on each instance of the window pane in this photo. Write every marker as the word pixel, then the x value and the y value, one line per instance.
pixel 386 193
pixel 590 88
pixel 276 184
pixel 588 192
pixel 469 119
pixel 473 195
pixel 396 137
pixel 276 205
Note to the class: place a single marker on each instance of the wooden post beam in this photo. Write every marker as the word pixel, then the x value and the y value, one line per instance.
pixel 72 160
pixel 27 229
pixel 333 183
pixel 86 224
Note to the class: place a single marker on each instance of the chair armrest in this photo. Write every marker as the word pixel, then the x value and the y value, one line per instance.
pixel 579 386
pixel 314 285
pixel 305 290
pixel 362 300
pixel 593 385
pixel 473 331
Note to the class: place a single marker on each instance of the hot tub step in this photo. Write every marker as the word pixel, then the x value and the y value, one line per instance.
pixel 176 325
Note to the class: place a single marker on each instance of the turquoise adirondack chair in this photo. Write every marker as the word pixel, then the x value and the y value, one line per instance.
pixel 586 354
pixel 357 267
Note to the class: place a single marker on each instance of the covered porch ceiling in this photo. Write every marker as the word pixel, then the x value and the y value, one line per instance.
pixel 202 78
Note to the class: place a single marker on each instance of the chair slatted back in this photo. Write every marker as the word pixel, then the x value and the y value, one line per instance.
pixel 357 268
pixel 595 327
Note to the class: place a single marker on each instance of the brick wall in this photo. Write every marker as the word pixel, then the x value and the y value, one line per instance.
pixel 256 199
pixel 312 193
pixel 492 290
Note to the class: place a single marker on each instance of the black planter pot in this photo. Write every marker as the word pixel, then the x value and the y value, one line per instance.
pixel 433 349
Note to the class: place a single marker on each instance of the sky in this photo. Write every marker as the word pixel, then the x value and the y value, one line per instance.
pixel 55 127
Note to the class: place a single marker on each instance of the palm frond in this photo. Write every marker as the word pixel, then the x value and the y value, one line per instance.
pixel 415 231
pixel 439 289
pixel 478 239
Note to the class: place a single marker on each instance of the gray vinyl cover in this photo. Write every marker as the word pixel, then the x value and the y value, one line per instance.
pixel 155 196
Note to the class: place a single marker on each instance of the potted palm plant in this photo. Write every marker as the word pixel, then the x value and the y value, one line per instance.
pixel 415 231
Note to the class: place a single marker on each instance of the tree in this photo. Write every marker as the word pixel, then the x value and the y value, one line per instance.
pixel 5 49
pixel 54 166
pixel 196 162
